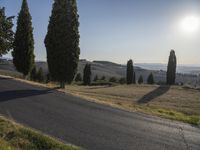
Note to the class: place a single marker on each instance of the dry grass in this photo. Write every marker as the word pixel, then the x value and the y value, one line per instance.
pixel 175 98
pixel 175 102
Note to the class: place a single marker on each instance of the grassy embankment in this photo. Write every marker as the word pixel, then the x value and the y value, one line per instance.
pixel 176 103
pixel 16 137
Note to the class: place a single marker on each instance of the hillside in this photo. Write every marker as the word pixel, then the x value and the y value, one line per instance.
pixel 110 69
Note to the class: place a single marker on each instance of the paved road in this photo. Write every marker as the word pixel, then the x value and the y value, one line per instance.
pixel 89 125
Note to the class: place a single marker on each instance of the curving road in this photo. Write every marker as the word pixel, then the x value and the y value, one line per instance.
pixel 89 125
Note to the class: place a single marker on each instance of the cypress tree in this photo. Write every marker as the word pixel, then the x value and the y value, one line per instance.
pixel 87 74
pixel 62 41
pixel 23 52
pixel 150 79
pixel 6 32
pixel 78 77
pixel 171 69
pixel 134 77
pixel 140 80
pixel 33 75
pixel 40 75
pixel 130 74
pixel 96 78
pixel 103 78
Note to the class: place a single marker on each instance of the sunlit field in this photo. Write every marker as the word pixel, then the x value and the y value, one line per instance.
pixel 144 98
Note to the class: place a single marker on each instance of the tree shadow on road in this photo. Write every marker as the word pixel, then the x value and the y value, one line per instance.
pixel 17 94
pixel 5 78
pixel 154 94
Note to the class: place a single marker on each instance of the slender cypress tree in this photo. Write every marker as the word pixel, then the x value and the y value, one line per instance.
pixel 23 52
pixel 78 78
pixel 130 74
pixel 62 41
pixel 134 77
pixel 33 75
pixel 103 78
pixel 171 69
pixel 96 78
pixel 6 32
pixel 150 79
pixel 87 74
pixel 40 75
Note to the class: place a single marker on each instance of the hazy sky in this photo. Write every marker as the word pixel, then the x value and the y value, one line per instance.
pixel 117 30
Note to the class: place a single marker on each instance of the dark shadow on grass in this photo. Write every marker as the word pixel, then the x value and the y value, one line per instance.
pixel 17 94
pixel 154 94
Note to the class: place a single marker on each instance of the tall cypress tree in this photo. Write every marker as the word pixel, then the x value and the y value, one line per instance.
pixel 140 80
pixel 96 78
pixel 62 41
pixel 87 74
pixel 171 69
pixel 6 32
pixel 23 52
pixel 78 78
pixel 130 74
pixel 134 76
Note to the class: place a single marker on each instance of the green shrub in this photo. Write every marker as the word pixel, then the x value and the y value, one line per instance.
pixel 113 79
pixel 122 80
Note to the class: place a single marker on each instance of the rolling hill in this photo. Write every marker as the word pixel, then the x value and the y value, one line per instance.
pixel 110 69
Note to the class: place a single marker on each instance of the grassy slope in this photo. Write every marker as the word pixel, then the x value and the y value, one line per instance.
pixel 175 103
pixel 16 137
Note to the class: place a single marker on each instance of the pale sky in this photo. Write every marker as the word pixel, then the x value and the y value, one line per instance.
pixel 117 30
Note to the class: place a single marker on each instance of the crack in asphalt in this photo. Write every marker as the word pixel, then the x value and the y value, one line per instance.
pixel 181 132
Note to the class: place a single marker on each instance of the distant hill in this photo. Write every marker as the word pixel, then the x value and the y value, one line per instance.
pixel 110 69
pixel 184 69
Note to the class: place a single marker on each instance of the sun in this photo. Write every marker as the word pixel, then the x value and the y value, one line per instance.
pixel 190 24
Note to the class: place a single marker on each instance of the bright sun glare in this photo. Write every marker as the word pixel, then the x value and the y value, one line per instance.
pixel 190 24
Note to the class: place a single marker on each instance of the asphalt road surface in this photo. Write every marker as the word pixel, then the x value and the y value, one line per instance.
pixel 89 125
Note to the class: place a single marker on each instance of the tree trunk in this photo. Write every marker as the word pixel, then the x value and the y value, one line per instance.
pixel 62 85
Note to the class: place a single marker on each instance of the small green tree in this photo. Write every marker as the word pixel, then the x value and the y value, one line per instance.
pixel 103 78
pixel 40 75
pixel 33 75
pixel 122 80
pixel 23 52
pixel 171 69
pixel 6 32
pixel 96 78
pixel 113 79
pixel 87 74
pixel 150 79
pixel 140 80
pixel 78 78
pixel 48 78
